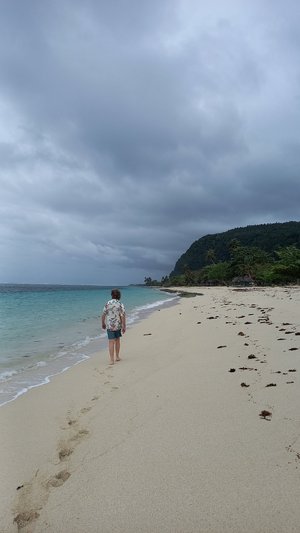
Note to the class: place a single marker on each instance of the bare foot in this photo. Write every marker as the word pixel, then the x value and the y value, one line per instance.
pixel 112 363
pixel 118 358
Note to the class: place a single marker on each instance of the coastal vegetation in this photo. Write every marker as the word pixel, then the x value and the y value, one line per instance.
pixel 264 254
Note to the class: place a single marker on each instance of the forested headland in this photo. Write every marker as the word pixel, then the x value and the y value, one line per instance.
pixel 265 254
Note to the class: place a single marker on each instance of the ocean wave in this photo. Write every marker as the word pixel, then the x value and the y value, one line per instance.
pixel 7 374
pixel 82 343
pixel 41 380
pixel 86 341
pixel 136 313
pixel 156 304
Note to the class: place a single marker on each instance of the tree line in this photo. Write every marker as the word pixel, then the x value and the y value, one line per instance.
pixel 266 237
pixel 246 265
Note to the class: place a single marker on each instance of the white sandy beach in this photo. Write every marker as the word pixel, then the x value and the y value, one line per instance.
pixel 167 440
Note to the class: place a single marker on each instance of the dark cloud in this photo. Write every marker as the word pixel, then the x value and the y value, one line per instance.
pixel 131 128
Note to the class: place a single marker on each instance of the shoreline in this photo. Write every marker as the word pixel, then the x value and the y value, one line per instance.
pixel 169 433
pixel 46 369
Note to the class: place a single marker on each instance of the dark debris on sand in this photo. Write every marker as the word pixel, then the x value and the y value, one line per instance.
pixel 265 415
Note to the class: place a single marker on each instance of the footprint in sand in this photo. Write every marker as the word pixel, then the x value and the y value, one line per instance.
pixel 25 518
pixel 59 479
pixel 72 422
pixel 64 453
pixel 80 435
pixel 85 410
pixel 95 398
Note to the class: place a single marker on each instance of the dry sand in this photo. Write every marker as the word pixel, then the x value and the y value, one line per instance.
pixel 167 440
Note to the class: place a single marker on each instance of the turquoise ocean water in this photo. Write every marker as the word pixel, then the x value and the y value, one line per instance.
pixel 46 329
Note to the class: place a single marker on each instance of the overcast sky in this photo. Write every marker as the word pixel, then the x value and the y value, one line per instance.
pixel 131 128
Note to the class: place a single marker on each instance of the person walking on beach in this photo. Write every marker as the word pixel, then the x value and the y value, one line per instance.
pixel 114 321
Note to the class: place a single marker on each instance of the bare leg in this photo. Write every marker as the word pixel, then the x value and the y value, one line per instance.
pixel 111 347
pixel 117 349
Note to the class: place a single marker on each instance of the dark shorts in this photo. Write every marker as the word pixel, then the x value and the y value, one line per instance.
pixel 114 334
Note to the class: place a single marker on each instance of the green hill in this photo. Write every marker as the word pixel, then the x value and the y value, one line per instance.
pixel 267 237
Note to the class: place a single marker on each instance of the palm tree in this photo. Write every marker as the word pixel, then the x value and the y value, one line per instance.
pixel 211 256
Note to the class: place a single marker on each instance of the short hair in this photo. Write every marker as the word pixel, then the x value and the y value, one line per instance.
pixel 116 294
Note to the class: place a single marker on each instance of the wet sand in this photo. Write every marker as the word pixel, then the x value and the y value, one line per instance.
pixel 197 429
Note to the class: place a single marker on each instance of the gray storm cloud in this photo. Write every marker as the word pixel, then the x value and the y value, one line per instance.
pixel 130 129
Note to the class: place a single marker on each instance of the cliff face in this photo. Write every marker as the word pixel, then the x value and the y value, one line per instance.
pixel 268 237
